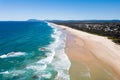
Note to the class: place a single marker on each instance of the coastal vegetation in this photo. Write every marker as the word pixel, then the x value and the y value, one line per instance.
pixel 110 28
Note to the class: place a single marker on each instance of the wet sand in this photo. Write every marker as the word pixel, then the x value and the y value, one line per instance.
pixel 92 57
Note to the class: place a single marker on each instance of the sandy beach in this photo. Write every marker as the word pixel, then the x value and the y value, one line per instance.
pixel 92 57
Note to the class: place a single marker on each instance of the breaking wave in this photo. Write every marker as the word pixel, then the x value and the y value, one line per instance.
pixel 12 54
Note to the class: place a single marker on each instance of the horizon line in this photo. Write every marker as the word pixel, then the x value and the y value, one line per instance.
pixel 61 19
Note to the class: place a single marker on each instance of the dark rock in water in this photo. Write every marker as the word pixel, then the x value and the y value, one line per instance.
pixel 15 77
pixel 42 49
pixel 35 77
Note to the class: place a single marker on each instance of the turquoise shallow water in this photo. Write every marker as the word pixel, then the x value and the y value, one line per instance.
pixel 32 51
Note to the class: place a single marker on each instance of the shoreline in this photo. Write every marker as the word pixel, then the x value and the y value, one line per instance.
pixel 92 57
pixel 58 61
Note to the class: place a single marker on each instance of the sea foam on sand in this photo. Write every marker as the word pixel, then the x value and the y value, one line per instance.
pixel 60 61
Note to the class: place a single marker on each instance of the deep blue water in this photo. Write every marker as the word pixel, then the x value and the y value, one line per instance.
pixel 32 51
pixel 23 36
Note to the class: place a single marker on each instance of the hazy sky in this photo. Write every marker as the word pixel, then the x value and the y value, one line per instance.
pixel 59 9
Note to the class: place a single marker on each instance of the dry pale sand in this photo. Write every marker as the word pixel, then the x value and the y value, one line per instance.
pixel 92 57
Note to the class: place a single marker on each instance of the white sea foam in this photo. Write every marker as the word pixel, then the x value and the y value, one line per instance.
pixel 17 72
pixel 5 72
pixel 46 60
pixel 44 75
pixel 60 61
pixel 12 54
pixel 36 67
pixel 47 75
pixel 13 72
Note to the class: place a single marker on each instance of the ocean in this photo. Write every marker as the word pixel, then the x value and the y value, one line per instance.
pixel 32 51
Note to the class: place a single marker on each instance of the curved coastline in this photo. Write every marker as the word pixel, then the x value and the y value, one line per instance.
pixel 93 56
pixel 61 61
